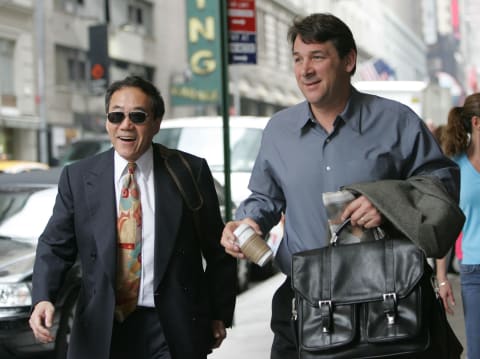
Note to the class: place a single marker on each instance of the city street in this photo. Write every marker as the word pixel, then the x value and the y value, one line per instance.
pixel 125 124
pixel 251 336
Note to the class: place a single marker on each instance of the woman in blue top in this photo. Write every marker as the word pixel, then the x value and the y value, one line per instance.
pixel 461 140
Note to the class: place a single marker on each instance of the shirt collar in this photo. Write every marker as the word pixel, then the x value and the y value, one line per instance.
pixel 351 114
pixel 305 116
pixel 144 164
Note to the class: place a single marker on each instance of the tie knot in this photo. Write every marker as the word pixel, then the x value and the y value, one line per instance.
pixel 131 167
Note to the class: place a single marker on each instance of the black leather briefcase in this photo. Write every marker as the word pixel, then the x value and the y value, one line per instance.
pixel 364 300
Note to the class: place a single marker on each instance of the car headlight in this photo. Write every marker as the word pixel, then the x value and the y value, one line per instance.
pixel 15 295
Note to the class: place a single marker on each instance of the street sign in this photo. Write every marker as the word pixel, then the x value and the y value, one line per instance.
pixel 199 84
pixel 242 37
pixel 242 48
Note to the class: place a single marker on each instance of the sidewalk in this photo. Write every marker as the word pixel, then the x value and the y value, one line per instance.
pixel 251 336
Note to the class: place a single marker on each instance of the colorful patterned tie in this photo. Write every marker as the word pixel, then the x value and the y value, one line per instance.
pixel 129 261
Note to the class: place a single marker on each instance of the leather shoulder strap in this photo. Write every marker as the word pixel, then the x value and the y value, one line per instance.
pixel 182 174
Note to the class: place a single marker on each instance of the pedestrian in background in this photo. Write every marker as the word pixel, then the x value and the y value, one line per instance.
pixel 337 137
pixel 144 292
pixel 461 141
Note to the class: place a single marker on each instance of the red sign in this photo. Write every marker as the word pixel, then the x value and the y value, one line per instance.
pixel 241 15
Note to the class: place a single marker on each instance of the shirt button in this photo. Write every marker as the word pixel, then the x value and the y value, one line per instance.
pixel 328 140
pixel 328 168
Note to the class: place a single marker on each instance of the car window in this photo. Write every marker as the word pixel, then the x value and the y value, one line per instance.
pixel 168 137
pixel 207 142
pixel 21 206
pixel 245 146
pixel 82 149
pixel 12 202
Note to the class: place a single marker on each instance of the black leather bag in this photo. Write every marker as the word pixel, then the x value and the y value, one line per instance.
pixel 364 300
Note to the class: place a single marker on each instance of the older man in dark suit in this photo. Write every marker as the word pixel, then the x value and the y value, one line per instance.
pixel 145 292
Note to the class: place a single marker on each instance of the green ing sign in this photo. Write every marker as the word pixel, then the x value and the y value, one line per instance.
pixel 202 84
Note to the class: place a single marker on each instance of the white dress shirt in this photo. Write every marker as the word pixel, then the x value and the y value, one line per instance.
pixel 144 178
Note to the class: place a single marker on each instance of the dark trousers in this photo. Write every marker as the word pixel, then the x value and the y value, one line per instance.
pixel 140 336
pixel 284 342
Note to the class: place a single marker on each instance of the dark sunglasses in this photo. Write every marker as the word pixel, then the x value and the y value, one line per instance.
pixel 135 117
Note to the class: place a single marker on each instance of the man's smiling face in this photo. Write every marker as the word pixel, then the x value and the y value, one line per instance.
pixel 321 74
pixel 129 139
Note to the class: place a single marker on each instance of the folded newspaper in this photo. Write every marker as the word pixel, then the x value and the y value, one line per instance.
pixel 335 203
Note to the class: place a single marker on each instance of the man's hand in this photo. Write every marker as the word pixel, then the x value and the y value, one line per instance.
pixel 41 321
pixel 362 213
pixel 219 333
pixel 230 241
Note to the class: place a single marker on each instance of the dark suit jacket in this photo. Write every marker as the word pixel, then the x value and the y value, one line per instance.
pixel 83 223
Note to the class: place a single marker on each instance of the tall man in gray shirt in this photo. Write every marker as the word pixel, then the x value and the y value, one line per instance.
pixel 337 137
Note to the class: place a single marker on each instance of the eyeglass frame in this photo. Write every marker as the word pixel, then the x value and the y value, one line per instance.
pixel 131 116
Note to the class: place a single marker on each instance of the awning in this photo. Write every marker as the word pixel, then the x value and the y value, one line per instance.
pixel 26 122
pixel 261 92
pixel 293 98
pixel 277 97
pixel 266 92
pixel 244 87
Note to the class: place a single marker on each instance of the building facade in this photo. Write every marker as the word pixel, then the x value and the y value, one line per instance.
pixel 470 43
pixel 19 122
pixel 151 38
pixel 146 38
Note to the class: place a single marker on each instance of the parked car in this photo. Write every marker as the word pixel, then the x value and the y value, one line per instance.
pixel 26 203
pixel 84 147
pixel 203 136
pixel 16 166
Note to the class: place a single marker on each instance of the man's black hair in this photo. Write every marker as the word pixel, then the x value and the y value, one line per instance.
pixel 323 27
pixel 156 100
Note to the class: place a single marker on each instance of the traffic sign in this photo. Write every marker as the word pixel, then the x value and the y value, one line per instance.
pixel 242 48
pixel 242 32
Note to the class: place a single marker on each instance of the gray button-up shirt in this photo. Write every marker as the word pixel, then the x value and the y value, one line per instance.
pixel 373 139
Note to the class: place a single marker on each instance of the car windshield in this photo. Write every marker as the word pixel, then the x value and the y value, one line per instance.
pixel 82 149
pixel 207 142
pixel 24 212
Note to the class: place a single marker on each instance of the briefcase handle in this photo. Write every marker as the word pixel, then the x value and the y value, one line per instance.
pixel 378 232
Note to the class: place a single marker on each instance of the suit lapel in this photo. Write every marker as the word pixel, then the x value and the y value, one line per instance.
pixel 168 212
pixel 101 202
pixel 100 192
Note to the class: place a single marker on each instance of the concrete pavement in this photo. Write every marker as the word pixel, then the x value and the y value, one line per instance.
pixel 251 336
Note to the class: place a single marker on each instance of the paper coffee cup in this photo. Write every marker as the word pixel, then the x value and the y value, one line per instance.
pixel 252 245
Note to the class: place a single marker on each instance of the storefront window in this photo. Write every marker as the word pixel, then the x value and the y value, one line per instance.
pixel 7 84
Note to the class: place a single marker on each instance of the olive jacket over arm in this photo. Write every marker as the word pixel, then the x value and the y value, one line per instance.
pixel 420 208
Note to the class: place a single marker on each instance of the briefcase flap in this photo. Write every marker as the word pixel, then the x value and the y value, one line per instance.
pixel 360 272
